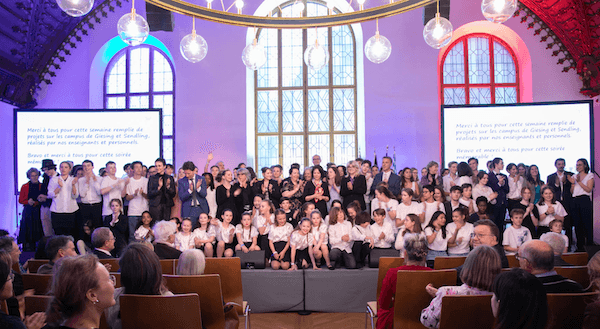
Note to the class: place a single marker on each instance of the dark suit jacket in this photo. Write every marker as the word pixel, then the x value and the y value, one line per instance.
pixel 274 188
pixel 556 284
pixel 563 196
pixel 120 231
pixel 164 251
pixel 101 255
pixel 501 190
pixel 359 188
pixel 164 195
pixel 394 184
pixel 183 188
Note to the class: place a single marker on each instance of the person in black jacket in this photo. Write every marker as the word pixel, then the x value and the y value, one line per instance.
pixel 164 237
pixel 353 186
pixel 161 191
pixel 119 226
pixel 103 241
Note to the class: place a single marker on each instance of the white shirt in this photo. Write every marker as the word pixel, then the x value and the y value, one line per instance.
pixel 464 233
pixel 211 198
pixel 299 241
pixel 386 229
pixel 515 237
pixel 140 234
pixel 578 190
pixel 247 234
pixel 336 232
pixel 114 193
pixel 223 232
pixel 184 242
pixel 558 210
pixel 65 201
pixel 483 190
pixel 465 180
pixel 281 233
pixel 439 243
pixel 447 182
pixel 430 209
pixel 319 231
pixel 138 204
pixel 399 245
pixel 360 233
pixel 385 176
pixel 467 202
pixel 90 192
pixel 515 187
pixel 205 234
pixel 260 221
pixel 387 206
pixel 414 208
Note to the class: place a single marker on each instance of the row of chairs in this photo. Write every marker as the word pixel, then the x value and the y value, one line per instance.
pixel 566 310
pixel 207 289
pixel 574 258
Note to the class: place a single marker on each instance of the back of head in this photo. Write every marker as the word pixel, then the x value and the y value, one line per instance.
pixel 73 277
pixel 593 267
pixel 6 243
pixel 481 267
pixel 4 271
pixel 163 229
pixel 56 243
pixel 100 236
pixel 539 254
pixel 362 217
pixel 141 272
pixel 415 246
pixel 191 262
pixel 521 300
pixel 555 241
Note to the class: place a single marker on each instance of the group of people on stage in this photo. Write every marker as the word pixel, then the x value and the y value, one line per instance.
pixel 333 216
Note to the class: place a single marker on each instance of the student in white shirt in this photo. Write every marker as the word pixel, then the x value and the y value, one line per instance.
pixel 205 235
pixel 143 229
pixel 556 226
pixel 279 241
pixel 385 200
pixel 184 239
pixel 515 184
pixel 407 206
pixel 137 194
pixel 263 223
pixel 63 191
pixel 430 206
pixel 516 235
pixel 225 235
pixel 91 196
pixel 582 185
pixel 452 178
pixel 301 242
pixel 437 237
pixel 247 234
pixel 340 238
pixel 111 188
pixel 362 237
pixel 548 209
pixel 319 232
pixel 383 233
pixel 412 224
pixel 467 198
pixel 460 231
pixel 481 189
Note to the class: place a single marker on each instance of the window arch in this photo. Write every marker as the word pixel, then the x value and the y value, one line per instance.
pixel 295 112
pixel 139 78
pixel 479 68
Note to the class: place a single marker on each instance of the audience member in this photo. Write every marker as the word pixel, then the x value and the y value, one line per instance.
pixel 557 243
pixel 485 232
pixel 57 247
pixel 164 239
pixel 191 262
pixel 103 242
pixel 591 317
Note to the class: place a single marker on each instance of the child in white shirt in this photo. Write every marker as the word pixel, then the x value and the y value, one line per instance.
pixel 516 235
pixel 556 226
pixel 363 238
pixel 184 240
pixel 383 232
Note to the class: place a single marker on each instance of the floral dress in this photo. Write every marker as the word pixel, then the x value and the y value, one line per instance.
pixel 430 316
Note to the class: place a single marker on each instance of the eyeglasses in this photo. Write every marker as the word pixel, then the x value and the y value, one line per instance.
pixel 11 277
pixel 479 235
pixel 113 279
pixel 520 257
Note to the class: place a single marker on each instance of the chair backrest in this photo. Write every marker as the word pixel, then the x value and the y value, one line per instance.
pixel 576 258
pixel 34 264
pixel 15 267
pixel 168 266
pixel 454 316
pixel 3 307
pixel 36 303
pixel 411 297
pixel 385 264
pixel 566 310
pixel 114 263
pixel 442 263
pixel 161 312
pixel 208 288
pixel 39 282
pixel 512 261
pixel 230 271
pixel 578 274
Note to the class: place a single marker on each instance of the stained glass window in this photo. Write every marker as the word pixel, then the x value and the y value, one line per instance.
pixel 301 112
pixel 140 78
pixel 479 69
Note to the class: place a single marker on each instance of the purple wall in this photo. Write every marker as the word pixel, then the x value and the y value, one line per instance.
pixel 401 95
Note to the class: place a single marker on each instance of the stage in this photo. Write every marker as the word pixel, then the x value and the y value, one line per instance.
pixel 322 290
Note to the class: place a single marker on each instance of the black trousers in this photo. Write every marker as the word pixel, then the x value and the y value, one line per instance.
pixel 581 208
pixel 64 223
pixel 336 255
pixel 89 212
pixel 160 212
pixel 360 251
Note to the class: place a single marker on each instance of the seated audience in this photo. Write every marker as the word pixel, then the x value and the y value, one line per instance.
pixel 9 245
pixel 414 253
pixel 103 241
pixel 191 262
pixel 478 274
pixel 485 232
pixel 537 258
pixel 591 317
pixel 164 239
pixel 141 274
pixel 81 290
pixel 57 247
pixel 557 243
pixel 519 301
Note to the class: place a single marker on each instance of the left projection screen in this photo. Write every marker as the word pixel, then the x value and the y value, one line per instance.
pixel 122 136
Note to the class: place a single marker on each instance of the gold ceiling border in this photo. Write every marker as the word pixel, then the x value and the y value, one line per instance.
pixel 186 8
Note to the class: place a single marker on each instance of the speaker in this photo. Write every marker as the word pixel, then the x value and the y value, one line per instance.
pixel 378 253
pixel 430 10
pixel 252 259
pixel 159 19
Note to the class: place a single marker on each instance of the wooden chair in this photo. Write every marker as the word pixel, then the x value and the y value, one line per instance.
pixel 34 264
pixel 411 297
pixel 36 303
pixel 578 274
pixel 230 271
pixel 208 288
pixel 15 267
pixel 118 279
pixel 576 258
pixel 443 263
pixel 512 261
pixel 3 307
pixel 114 263
pixel 566 310
pixel 39 282
pixel 161 312
pixel 168 266
pixel 454 316
pixel 385 264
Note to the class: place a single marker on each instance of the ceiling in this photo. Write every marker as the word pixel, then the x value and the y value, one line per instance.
pixel 36 37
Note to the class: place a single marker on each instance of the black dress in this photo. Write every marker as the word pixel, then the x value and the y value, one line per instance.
pixel 30 230
pixel 359 188
pixel 120 231
pixel 272 193
pixel 244 200
pixel 225 202
pixel 310 188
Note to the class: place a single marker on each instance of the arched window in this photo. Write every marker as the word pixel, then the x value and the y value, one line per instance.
pixel 141 78
pixel 301 112
pixel 479 68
